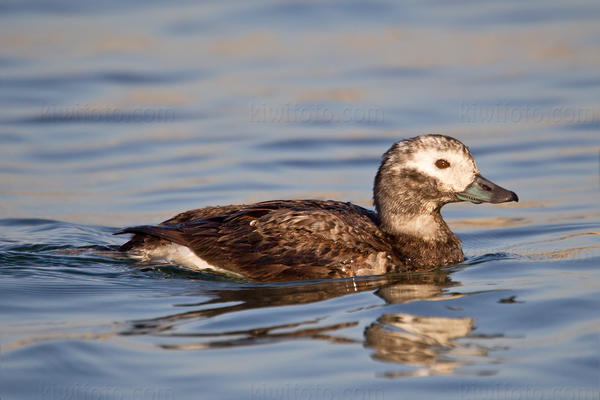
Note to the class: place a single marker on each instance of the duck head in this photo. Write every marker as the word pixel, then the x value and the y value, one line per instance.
pixel 418 176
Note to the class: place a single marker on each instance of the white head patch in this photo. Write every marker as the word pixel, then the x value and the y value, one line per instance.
pixel 430 149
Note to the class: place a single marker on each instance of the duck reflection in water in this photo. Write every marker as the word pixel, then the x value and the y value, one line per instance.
pixel 424 345
pixel 418 341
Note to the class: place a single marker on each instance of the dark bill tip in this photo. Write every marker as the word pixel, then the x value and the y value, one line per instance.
pixel 482 190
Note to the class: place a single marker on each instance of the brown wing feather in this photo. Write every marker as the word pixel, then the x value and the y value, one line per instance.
pixel 279 240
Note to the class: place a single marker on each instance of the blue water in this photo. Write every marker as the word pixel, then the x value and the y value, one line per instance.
pixel 122 113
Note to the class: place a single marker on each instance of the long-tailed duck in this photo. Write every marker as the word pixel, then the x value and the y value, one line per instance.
pixel 282 240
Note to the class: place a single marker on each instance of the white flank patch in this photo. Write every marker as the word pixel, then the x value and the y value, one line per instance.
pixel 180 255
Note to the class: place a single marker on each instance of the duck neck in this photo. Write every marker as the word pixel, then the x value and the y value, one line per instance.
pixel 421 240
pixel 427 225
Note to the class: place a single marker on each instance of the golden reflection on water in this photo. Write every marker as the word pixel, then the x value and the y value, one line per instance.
pixel 424 345
pixel 576 252
pixel 423 342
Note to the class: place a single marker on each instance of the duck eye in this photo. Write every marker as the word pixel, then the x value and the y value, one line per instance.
pixel 441 163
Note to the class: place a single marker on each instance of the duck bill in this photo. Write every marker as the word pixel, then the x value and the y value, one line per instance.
pixel 482 190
